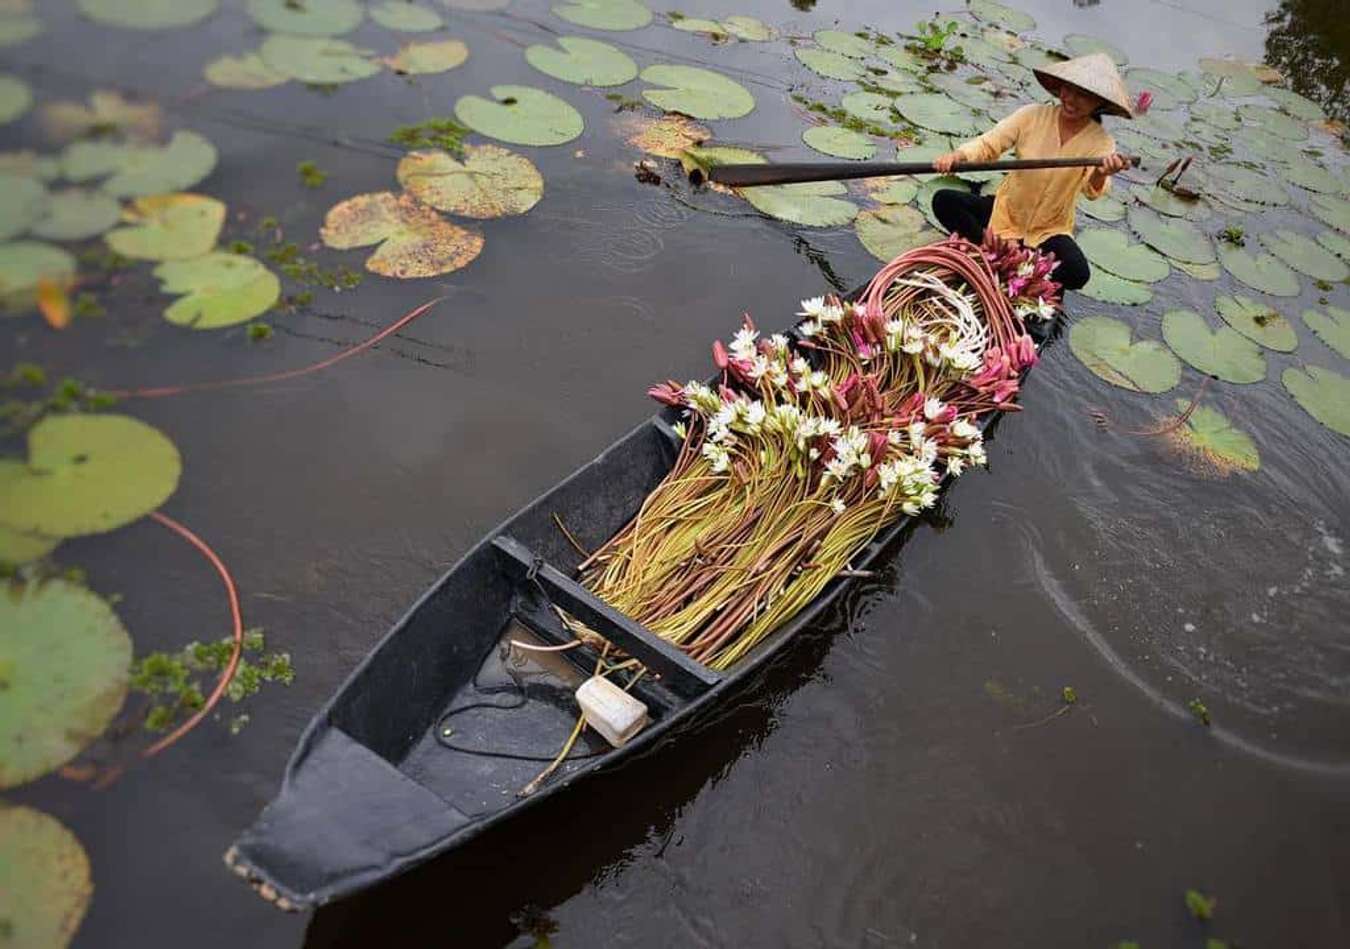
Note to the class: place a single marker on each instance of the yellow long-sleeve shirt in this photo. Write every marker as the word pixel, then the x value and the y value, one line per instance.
pixel 1035 205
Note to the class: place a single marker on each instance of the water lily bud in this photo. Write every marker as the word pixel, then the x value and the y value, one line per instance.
pixel 720 357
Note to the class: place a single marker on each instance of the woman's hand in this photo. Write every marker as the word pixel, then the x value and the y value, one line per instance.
pixel 1113 164
pixel 945 163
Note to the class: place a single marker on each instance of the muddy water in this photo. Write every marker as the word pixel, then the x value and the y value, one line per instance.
pixel 895 779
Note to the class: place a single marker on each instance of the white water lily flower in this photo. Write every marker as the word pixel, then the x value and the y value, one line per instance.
pixel 955 466
pixel 1044 310
pixel 917 429
pixel 895 437
pixel 928 451
pixel 1026 269
pixel 718 455
pixel 831 314
pixel 932 407
pixel 962 428
pixel 743 343
pixel 679 429
pixel 779 342
pixel 910 507
pixel 754 415
pixel 975 454
pixel 838 506
pixel 808 328
pixel 812 307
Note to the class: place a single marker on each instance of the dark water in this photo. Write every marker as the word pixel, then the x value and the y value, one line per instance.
pixel 877 787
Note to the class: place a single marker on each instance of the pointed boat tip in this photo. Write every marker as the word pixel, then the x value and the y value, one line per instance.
pixel 241 869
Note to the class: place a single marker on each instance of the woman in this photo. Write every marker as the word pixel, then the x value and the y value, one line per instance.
pixel 1037 207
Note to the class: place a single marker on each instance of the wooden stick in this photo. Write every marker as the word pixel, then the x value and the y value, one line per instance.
pixel 749 176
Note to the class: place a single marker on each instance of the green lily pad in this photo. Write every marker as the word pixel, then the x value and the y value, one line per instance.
pixel 15 98
pixel 1080 44
pixel 977 96
pixel 1323 393
pixel 899 190
pixel 1264 145
pixel 16 28
pixel 415 241
pixel 1224 353
pixel 77 214
pixel 889 231
pixel 1002 15
pixel 811 205
pixel 1166 203
pixel 1210 271
pixel 107 115
pixel 979 52
pixel 822 62
pixel 1212 443
pixel 168 227
pixel 1112 251
pixel 840 142
pixel 689 24
pixel 845 44
pixel 1332 327
pixel 307 17
pixel 702 159
pixel 584 61
pixel 64 663
pixel 1305 255
pixel 17 548
pixel 1173 238
pixel 868 106
pixel 1259 271
pixel 320 60
pixel 1332 211
pixel 491 181
pixel 23 264
pixel 87 474
pixel 1134 143
pixel 605 14
pixel 901 58
pixel 1247 185
pixel 405 17
pixel 931 185
pixel 1277 123
pixel 23 202
pixel 1159 128
pixel 1308 174
pixel 1108 288
pixel 217 290
pixel 1104 208
pixel 477 5
pixel 667 136
pixel 1218 115
pixel 897 81
pixel 1337 243
pixel 748 28
pixel 1103 344
pixel 700 93
pixel 1295 104
pixel 521 115
pixel 1035 57
pixel 140 170
pixel 45 876
pixel 420 59
pixel 1258 322
pixel 29 164
pixel 1164 86
pixel 147 14
pixel 243 72
pixel 938 113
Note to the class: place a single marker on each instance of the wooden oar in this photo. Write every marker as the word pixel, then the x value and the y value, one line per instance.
pixel 749 176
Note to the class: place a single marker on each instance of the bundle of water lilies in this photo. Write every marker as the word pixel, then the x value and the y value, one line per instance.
pixel 811 444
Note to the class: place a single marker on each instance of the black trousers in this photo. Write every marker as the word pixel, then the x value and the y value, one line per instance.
pixel 968 215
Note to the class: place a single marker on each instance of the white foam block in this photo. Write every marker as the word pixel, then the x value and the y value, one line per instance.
pixel 610 710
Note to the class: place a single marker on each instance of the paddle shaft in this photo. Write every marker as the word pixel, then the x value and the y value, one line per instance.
pixel 747 176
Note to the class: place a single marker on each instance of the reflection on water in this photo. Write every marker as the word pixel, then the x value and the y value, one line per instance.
pixel 1309 42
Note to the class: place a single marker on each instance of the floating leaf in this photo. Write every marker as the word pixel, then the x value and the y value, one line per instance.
pixel 45 876
pixel 29 164
pixel 244 72
pixel 1134 143
pixel 976 96
pixel 420 59
pixel 900 190
pixel 1295 104
pixel 15 98
pixel 1211 444
pixel 76 214
pixel 1309 175
pixel 811 205
pixel 822 62
pixel 845 44
pixel 1332 211
pixel 889 231
pixel 605 14
pixel 748 28
pixel 1104 208
pixel 1306 255
pixel 1001 15
pixel 1080 44
pixel 1259 271
pixel 217 290
pixel 138 170
pixel 1112 251
pixel 147 14
pixel 901 58
pixel 1224 352
pixel 691 24
pixel 491 182
pixel 1108 288
pixel 938 113
pixel 1258 322
pixel 1103 345
pixel 668 136
pixel 1034 57
pixel 1199 271
pixel 405 17
pixel 477 5
pixel 307 17
pixel 26 264
pixel 1264 145
pixel 986 55
pixel 168 227
pixel 1338 244
pixel 521 115
pixel 64 666
pixel 1169 204
pixel 867 106
pixel 932 185
pixel 87 474
pixel 1175 239
pixel 1220 116
pixel 1277 123
pixel 700 93
pixel 1248 185
pixel 1332 327
pixel 320 60
pixel 1156 127
pixel 839 142
pixel 703 159
pixel 414 240
pixel 23 202
pixel 584 61
pixel 17 548
pixel 897 81
pixel 1323 393
pixel 18 27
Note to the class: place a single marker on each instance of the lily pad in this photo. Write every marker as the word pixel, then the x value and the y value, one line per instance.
pixel 703 158
pixel 1218 115
pixel 1224 353
pixel 1258 322
pixel 897 81
pixel 1312 176
pixel 845 44
pixel 1264 145
pixel 15 98
pixel 1335 242
pixel 18 27
pixel 147 14
pixel 1103 344
pixel 1157 127
pixel 25 264
pixel 1034 57
pixel 898 190
pixel 64 664
pixel 1002 15
pixel 87 474
pixel 23 202
pixel 669 136
pixel 76 214
pixel 584 61
pixel 1277 123
pixel 605 14
pixel 243 72
pixel 1259 271
pixel 901 58
pixel 1332 211
pixel 405 17
pixel 1176 239
pixel 139 170
pixel 168 227
pixel 1199 271
pixel 690 24
pixel 17 548
pixel 868 106
pixel 696 92
pixel 217 290
pixel 1332 327
pixel 931 185
pixel 1169 90
pixel 938 113
pixel 1166 203
pixel 1212 444
pixel 1106 208
pixel 822 62
pixel 321 60
pixel 29 164
pixel 307 18
pixel 107 113
pixel 1080 44
pixel 889 231
pixel 1112 251
pixel 491 181
pixel 811 205
pixel 415 241
pixel 984 54
pixel 420 59
pixel 45 876
pixel 521 115
pixel 1108 288
pixel 978 96
pixel 1323 393
pixel 748 28
pixel 840 142
pixel 1305 255
pixel 1295 104
pixel 1247 185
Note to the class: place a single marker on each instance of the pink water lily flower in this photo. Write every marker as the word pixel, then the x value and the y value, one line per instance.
pixel 1142 102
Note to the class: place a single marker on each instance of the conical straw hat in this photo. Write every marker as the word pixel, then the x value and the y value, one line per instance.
pixel 1094 73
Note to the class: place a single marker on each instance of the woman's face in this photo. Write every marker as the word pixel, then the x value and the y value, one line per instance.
pixel 1076 103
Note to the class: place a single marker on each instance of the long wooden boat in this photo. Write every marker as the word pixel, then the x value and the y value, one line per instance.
pixel 417 753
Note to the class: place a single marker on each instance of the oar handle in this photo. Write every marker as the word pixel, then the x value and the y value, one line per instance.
pixel 748 176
